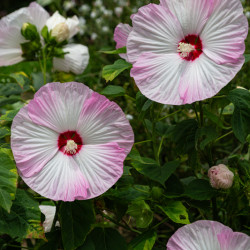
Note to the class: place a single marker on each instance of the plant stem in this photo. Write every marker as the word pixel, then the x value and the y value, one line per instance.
pixel 157 225
pixel 224 136
pixel 214 207
pixel 196 113
pixel 56 216
pixel 201 114
pixel 44 66
pixel 169 115
pixel 140 142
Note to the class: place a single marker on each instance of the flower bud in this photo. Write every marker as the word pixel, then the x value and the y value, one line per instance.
pixel 220 177
pixel 29 31
pixel 60 32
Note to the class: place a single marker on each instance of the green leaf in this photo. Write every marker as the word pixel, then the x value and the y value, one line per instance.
pixel 76 219
pixel 24 219
pixel 8 180
pixel 176 211
pixel 4 131
pixel 113 91
pixel 152 170
pixel 204 136
pixel 104 239
pixel 215 119
pixel 110 72
pixel 199 190
pixel 144 241
pixel 122 50
pixel 9 100
pixel 128 194
pixel 241 116
pixel 247 57
pixel 9 115
pixel 142 213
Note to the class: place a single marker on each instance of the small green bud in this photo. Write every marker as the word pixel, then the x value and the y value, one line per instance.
pixel 29 31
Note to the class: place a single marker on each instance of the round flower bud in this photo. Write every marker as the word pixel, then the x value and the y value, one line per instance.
pixel 29 32
pixel 220 177
pixel 60 32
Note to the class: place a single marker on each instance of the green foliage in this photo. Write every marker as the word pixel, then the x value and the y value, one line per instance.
pixel 76 219
pixel 110 72
pixel 144 241
pixel 8 181
pixel 176 211
pixel 142 213
pixel 113 91
pixel 24 219
pixel 117 51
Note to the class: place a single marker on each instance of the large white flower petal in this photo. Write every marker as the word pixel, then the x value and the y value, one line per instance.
pixel 73 24
pixel 60 179
pixel 233 240
pixel 101 165
pixel 58 105
pixel 225 31
pixel 196 236
pixel 102 121
pixel 55 19
pixel 192 14
pixel 38 14
pixel 155 30
pixel 32 145
pixel 203 78
pixel 157 76
pixel 120 36
pixel 76 59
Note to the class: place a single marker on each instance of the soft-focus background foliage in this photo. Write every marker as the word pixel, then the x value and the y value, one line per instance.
pixel 163 187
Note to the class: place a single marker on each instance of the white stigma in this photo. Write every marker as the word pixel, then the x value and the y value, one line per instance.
pixel 70 147
pixel 185 49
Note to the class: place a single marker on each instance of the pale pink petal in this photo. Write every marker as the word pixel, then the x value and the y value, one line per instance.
pixel 38 14
pixel 225 31
pixel 233 240
pixel 192 14
pixel 32 145
pixel 58 105
pixel 203 78
pixel 60 179
pixel 120 36
pixel 73 24
pixel 155 30
pixel 102 121
pixel 76 60
pixel 101 165
pixel 49 212
pixel 196 236
pixel 157 76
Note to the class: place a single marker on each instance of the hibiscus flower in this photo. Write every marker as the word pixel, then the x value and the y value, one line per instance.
pixel 70 142
pixel 207 235
pixel 184 51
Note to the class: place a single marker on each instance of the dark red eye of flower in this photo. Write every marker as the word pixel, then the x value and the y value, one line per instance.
pixel 69 142
pixel 190 47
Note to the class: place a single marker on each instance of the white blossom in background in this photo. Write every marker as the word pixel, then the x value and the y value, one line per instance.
pixel 82 25
pixel 49 213
pixel 75 61
pixel 118 11
pixel 93 36
pixel 247 14
pixel 93 14
pixel 67 5
pixel 105 29
pixel 84 8
pixel 129 117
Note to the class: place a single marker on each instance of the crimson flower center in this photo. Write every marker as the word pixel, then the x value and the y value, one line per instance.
pixel 190 48
pixel 69 142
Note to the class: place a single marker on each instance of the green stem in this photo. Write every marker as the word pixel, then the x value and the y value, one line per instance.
pixel 157 225
pixel 130 97
pixel 224 136
pixel 56 216
pixel 44 67
pixel 214 207
pixel 140 142
pixel 160 146
pixel 196 113
pixel 169 115
pixel 201 114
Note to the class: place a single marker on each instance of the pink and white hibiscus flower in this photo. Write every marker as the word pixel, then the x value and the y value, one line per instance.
pixel 208 235
pixel 77 57
pixel 70 142
pixel 184 51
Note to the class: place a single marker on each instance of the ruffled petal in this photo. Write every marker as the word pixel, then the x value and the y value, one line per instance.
pixel 225 31
pixel 101 165
pixel 32 145
pixel 192 14
pixel 233 240
pixel 58 105
pixel 73 24
pixel 203 78
pixel 60 179
pixel 102 121
pixel 55 19
pixel 155 30
pixel 38 14
pixel 157 76
pixel 75 61
pixel 196 236
pixel 120 36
